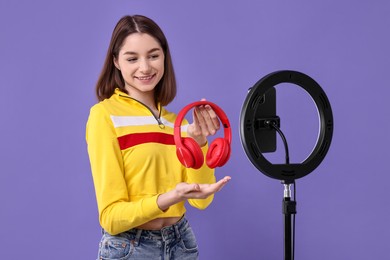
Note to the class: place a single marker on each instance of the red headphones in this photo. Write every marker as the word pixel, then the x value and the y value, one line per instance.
pixel 188 150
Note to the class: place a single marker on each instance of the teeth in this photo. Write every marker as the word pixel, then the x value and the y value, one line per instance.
pixel 145 78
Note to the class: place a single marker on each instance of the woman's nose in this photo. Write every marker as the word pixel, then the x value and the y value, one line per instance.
pixel 144 66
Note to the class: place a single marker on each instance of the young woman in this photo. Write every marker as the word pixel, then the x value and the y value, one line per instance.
pixel 141 186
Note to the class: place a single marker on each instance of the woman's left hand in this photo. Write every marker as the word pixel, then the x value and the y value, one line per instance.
pixel 205 123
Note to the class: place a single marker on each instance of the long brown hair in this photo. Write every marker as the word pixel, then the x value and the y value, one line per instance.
pixel 111 78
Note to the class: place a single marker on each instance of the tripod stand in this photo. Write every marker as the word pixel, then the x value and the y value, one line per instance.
pixel 258 124
pixel 289 209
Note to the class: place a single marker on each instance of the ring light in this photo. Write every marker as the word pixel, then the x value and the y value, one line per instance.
pixel 286 172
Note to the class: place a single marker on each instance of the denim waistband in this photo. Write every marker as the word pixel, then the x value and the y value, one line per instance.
pixel 166 233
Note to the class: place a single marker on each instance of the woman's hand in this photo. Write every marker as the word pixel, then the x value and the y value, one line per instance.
pixel 185 191
pixel 205 123
pixel 200 191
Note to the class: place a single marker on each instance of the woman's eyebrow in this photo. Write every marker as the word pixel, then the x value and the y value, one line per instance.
pixel 134 53
pixel 154 49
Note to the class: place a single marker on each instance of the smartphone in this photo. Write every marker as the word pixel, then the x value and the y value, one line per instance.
pixel 265 135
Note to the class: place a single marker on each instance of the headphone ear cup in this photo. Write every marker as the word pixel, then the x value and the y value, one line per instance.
pixel 218 153
pixel 190 154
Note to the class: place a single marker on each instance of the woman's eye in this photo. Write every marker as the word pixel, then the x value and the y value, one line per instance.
pixel 132 59
pixel 153 57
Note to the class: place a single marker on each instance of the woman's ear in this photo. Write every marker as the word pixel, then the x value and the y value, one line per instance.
pixel 115 61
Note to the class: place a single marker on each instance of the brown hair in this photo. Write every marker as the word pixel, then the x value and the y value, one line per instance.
pixel 111 78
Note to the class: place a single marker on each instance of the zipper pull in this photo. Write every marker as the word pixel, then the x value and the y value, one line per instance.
pixel 160 123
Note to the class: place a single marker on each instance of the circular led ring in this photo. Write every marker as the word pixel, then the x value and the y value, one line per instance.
pixel 286 172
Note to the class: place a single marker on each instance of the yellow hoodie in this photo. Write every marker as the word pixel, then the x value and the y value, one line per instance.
pixel 133 160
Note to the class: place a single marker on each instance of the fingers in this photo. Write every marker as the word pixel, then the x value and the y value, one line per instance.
pixel 185 188
pixel 213 115
pixel 221 183
pixel 205 123
pixel 225 179
pixel 208 189
pixel 200 191
pixel 207 120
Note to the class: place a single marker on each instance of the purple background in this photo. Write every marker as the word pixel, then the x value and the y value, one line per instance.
pixel 52 52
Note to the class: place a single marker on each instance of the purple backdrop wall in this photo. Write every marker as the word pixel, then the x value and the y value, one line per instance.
pixel 52 51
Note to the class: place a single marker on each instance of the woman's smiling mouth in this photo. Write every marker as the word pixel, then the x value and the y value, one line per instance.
pixel 146 78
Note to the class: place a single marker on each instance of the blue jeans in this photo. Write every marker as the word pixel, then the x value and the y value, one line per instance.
pixel 172 242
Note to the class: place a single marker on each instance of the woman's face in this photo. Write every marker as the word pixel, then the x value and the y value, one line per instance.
pixel 141 62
